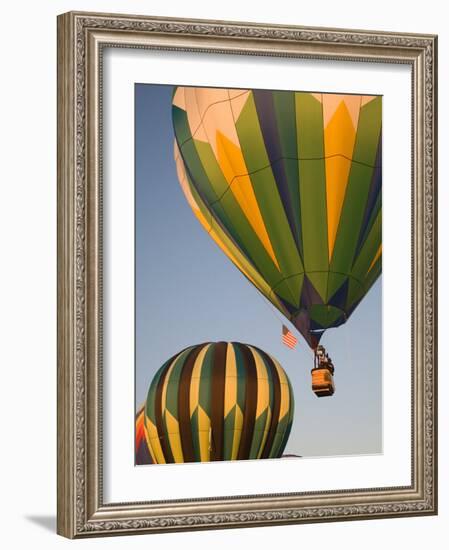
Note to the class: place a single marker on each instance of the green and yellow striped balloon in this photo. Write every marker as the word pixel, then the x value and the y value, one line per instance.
pixel 218 401
pixel 288 184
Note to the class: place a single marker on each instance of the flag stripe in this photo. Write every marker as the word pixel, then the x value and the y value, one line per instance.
pixel 287 338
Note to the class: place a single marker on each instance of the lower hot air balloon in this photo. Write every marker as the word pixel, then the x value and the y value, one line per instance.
pixel 288 184
pixel 218 401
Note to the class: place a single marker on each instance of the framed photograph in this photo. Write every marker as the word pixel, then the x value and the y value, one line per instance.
pixel 246 274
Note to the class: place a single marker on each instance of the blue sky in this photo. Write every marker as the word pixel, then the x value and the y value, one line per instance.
pixel 187 292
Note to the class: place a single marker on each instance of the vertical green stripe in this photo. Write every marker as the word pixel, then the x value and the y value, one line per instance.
pixel 258 434
pixel 278 438
pixel 259 425
pixel 160 424
pixel 368 132
pixel 229 430
pixel 369 249
pixel 195 417
pixel 373 216
pixel 312 184
pixel 275 406
pixel 180 125
pixel 206 381
pixel 184 413
pixel 241 377
pixel 215 178
pixel 150 402
pixel 195 436
pixel 351 218
pixel 309 126
pixel 171 399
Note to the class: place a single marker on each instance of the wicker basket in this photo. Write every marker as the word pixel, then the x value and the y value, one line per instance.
pixel 322 382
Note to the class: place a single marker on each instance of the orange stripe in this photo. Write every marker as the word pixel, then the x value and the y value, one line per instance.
pixel 232 164
pixel 376 257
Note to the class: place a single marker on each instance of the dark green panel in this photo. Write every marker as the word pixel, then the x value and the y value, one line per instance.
pixel 377 207
pixel 241 378
pixel 229 430
pixel 369 249
pixel 251 138
pixel 151 397
pixel 265 360
pixel 195 435
pixel 284 440
pixel 335 281
pixel 314 221
pixel 351 218
pixel 180 125
pixel 195 169
pixel 289 417
pixel 309 126
pixel 291 168
pixel 325 315
pixel 278 438
pixel 206 380
pixel 372 276
pixel 215 184
pixel 368 132
pixel 259 427
pixel 173 383
pixel 312 185
pixel 356 292
pixel 284 293
pixel 284 105
pixel 355 289
pixel 292 402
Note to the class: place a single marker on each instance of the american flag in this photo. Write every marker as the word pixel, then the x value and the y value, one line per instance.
pixel 288 338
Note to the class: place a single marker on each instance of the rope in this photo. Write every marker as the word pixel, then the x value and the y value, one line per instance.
pixel 282 320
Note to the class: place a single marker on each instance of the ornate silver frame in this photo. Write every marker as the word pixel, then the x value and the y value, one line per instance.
pixel 81 38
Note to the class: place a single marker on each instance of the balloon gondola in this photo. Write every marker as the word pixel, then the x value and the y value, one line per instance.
pixel 322 373
pixel 288 184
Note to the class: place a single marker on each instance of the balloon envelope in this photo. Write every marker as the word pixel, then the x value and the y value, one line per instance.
pixel 288 184
pixel 218 401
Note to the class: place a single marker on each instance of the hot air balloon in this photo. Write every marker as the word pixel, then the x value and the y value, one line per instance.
pixel 142 452
pixel 288 184
pixel 218 401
